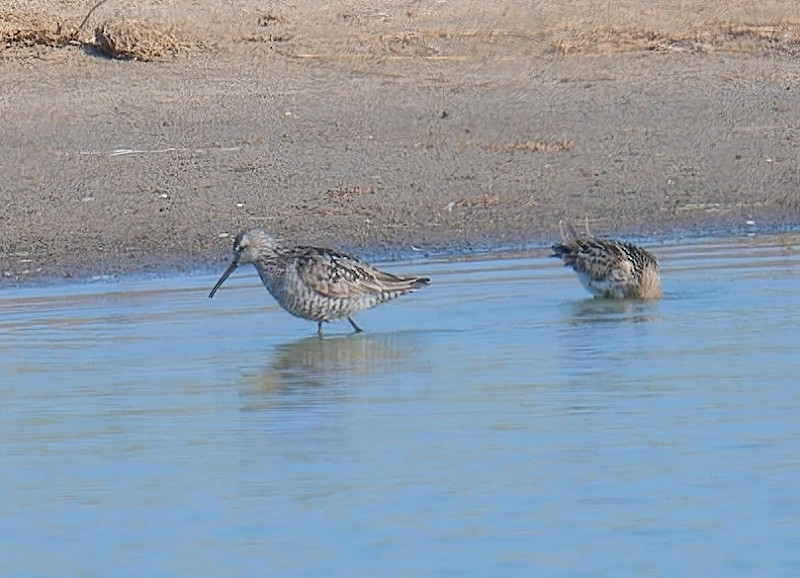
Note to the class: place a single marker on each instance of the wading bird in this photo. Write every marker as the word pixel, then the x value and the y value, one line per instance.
pixel 609 268
pixel 313 283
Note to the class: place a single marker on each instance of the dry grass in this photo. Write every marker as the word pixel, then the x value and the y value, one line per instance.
pixel 344 192
pixel 539 146
pixel 33 30
pixel 124 39
pixel 534 146
pixel 487 200
pixel 396 30
pixel 723 36
pixel 137 40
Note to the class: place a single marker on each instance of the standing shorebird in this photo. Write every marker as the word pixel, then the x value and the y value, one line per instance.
pixel 609 268
pixel 313 283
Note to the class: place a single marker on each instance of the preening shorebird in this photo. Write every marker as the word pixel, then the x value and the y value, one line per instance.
pixel 609 268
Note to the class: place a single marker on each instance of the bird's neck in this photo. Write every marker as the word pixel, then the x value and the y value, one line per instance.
pixel 270 267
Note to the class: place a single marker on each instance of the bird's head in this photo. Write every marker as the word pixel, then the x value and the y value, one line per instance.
pixel 249 247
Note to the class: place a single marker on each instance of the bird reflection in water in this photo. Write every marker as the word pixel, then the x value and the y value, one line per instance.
pixel 589 311
pixel 602 339
pixel 315 371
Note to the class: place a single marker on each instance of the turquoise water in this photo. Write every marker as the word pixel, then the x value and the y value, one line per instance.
pixel 497 422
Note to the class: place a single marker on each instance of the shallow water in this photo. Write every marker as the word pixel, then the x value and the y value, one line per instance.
pixel 498 422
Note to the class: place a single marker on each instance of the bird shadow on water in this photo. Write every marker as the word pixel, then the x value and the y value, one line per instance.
pixel 314 371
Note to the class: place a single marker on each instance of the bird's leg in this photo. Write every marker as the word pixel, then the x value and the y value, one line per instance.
pixel 319 328
pixel 355 325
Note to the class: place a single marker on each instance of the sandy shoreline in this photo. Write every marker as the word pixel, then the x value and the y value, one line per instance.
pixel 442 127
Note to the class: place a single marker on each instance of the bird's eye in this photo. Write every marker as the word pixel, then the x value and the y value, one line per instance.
pixel 238 249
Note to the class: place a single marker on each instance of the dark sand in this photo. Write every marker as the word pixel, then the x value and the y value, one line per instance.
pixel 448 126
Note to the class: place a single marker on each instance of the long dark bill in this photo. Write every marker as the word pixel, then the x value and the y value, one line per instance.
pixel 231 268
